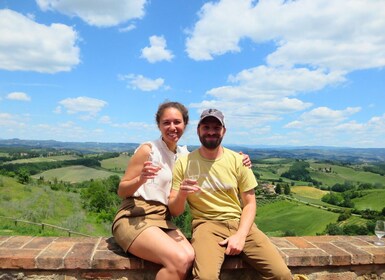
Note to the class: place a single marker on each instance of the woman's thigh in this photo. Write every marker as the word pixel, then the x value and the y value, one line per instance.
pixel 155 245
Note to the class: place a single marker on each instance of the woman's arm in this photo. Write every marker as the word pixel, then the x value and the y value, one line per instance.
pixel 136 173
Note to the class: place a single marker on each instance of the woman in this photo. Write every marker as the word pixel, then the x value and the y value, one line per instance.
pixel 142 225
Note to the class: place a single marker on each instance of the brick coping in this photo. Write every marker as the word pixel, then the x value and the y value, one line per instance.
pixel 100 253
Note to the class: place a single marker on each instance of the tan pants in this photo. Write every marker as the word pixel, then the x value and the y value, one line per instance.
pixel 259 252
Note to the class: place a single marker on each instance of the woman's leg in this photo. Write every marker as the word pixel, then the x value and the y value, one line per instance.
pixel 170 249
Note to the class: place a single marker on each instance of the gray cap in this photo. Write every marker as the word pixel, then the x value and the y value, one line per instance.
pixel 212 113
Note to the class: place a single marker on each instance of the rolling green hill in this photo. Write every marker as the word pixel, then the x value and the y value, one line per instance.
pixel 74 174
pixel 117 164
pixel 276 218
pixel 340 174
pixel 42 205
pixel 373 199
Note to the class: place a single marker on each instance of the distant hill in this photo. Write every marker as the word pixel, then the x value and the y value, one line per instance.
pixel 83 147
pixel 341 154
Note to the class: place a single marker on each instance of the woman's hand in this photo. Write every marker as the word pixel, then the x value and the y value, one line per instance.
pixel 246 160
pixel 149 171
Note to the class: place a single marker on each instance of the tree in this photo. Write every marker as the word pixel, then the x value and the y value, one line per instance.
pixel 23 176
pixel 278 189
pixel 333 229
pixel 298 171
pixel 287 190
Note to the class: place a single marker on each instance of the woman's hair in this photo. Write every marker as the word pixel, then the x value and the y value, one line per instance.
pixel 180 107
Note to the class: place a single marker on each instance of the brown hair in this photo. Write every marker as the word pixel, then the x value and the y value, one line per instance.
pixel 180 107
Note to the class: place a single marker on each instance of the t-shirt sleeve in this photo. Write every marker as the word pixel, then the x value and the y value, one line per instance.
pixel 177 174
pixel 247 180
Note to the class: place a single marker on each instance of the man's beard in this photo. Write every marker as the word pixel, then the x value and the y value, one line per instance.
pixel 210 144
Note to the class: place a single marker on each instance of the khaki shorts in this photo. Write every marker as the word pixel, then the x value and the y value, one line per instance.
pixel 136 215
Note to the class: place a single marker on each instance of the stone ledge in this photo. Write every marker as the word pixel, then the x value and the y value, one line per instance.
pixel 312 255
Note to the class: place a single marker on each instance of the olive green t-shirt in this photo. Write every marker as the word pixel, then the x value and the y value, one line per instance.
pixel 221 181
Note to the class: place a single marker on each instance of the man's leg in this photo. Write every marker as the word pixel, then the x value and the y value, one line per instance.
pixel 262 254
pixel 209 255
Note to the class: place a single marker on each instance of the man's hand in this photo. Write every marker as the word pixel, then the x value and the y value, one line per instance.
pixel 189 186
pixel 234 244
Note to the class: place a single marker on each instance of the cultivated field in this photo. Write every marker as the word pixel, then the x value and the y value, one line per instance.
pixel 74 174
pixel 117 164
pixel 276 218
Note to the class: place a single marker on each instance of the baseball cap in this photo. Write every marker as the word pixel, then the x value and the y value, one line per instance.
pixel 212 113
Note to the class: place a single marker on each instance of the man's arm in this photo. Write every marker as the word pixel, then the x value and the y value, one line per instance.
pixel 177 198
pixel 236 242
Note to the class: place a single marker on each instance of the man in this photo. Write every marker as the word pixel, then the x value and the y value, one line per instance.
pixel 223 206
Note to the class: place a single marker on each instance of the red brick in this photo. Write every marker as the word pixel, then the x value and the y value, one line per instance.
pixel 324 238
pixel 338 256
pixel 307 257
pixel 53 256
pixel 378 254
pixel 21 258
pixel 16 242
pixel 111 260
pixel 300 242
pixel 39 243
pixel 282 243
pixel 358 256
pixel 79 256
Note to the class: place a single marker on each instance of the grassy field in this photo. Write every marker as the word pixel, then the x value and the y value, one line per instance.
pixel 341 174
pixel 308 192
pixel 42 205
pixel 275 218
pixel 45 159
pixel 374 200
pixel 117 164
pixel 74 174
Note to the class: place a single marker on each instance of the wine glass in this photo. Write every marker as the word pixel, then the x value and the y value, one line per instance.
pixel 379 230
pixel 155 163
pixel 193 170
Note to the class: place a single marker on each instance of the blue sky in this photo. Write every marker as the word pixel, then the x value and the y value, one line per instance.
pixel 305 72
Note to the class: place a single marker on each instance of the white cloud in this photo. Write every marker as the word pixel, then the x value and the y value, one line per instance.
pixel 323 116
pixel 19 96
pixel 157 50
pixel 90 106
pixel 105 119
pixel 29 46
pixel 127 28
pixel 263 94
pixel 351 36
pixel 100 13
pixel 7 119
pixel 142 83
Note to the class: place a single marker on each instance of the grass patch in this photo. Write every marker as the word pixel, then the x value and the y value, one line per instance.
pixel 74 174
pixel 308 192
pixel 373 199
pixel 40 204
pixel 276 218
pixel 342 174
pixel 117 164
pixel 45 159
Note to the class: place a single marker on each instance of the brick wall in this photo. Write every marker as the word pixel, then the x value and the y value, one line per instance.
pixel 319 257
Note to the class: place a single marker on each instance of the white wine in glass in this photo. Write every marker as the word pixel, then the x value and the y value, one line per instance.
pixel 379 230
pixel 154 162
pixel 193 170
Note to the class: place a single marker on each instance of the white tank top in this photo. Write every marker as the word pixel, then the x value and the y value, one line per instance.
pixel 159 188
